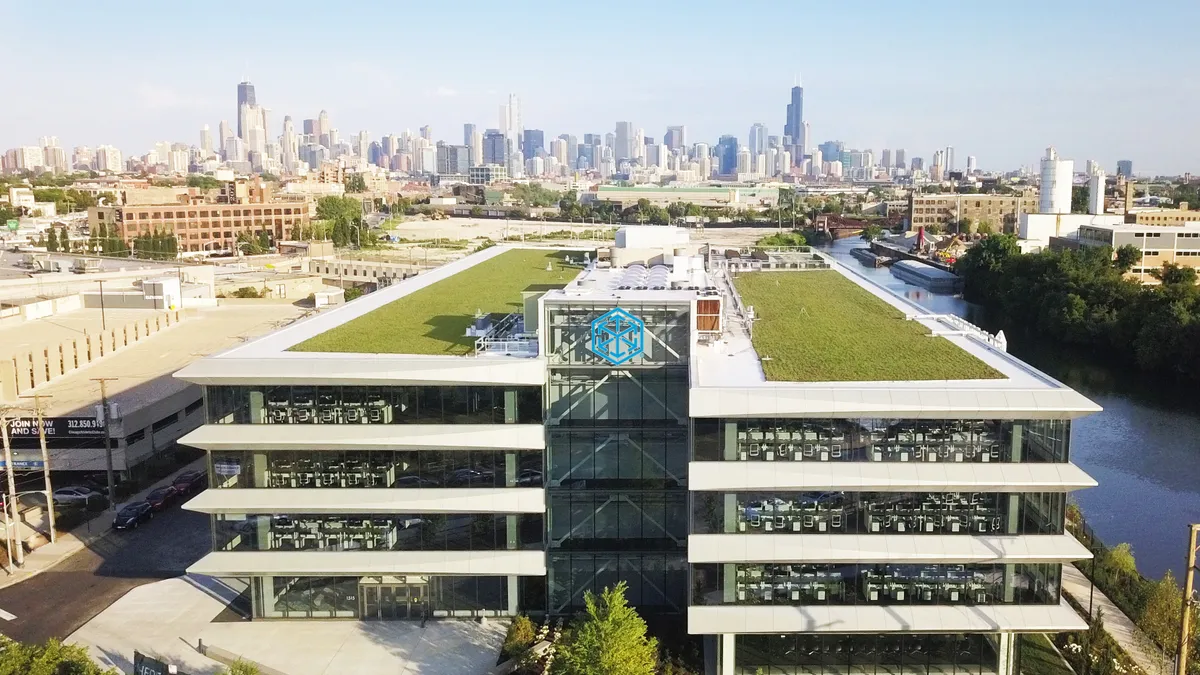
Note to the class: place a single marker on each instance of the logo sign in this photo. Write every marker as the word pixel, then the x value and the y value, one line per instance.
pixel 148 665
pixel 618 336
pixel 56 427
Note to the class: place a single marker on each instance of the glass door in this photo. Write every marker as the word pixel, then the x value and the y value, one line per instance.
pixel 368 604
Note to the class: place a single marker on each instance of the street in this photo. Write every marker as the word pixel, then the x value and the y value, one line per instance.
pixel 55 603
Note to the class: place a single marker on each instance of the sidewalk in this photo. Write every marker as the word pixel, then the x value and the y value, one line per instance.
pixel 1116 623
pixel 69 543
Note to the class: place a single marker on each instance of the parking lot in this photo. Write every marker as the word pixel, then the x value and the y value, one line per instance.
pixel 56 602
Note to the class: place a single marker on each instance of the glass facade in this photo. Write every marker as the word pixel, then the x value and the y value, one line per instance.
pixel 389 532
pixel 855 654
pixel 975 513
pixel 882 440
pixel 310 404
pixel 876 584
pixel 386 598
pixel 375 468
pixel 617 448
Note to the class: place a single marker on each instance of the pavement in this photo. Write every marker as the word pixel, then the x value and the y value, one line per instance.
pixel 92 566
pixel 1122 629
pixel 168 619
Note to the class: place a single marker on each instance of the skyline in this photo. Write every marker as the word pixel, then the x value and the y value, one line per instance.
pixel 1006 99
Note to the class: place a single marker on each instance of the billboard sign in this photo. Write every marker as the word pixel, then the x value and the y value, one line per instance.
pixel 56 427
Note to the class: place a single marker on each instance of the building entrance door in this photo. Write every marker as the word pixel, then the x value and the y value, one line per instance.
pixel 392 602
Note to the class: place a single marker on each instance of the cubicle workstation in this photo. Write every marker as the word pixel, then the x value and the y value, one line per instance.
pixel 376 468
pixel 876 584
pixel 977 513
pixel 389 532
pixel 882 440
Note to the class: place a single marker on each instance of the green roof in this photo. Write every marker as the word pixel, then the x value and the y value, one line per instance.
pixel 819 326
pixel 434 319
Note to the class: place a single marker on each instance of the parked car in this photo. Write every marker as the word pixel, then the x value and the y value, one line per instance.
pixel 74 496
pixel 161 498
pixel 411 481
pixel 190 481
pixel 469 476
pixel 129 517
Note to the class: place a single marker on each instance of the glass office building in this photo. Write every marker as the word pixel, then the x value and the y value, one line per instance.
pixel 621 428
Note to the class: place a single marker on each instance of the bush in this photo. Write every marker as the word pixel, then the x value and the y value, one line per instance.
pixel 521 635
pixel 246 292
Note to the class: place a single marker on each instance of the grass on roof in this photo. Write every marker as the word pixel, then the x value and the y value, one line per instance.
pixel 434 319
pixel 818 326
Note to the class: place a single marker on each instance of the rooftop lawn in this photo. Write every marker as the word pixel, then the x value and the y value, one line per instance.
pixel 819 326
pixel 434 319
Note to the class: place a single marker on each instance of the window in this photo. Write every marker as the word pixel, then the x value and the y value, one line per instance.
pixel 135 437
pixel 165 422
pixel 193 406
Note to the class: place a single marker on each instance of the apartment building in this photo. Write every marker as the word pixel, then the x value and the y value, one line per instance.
pixel 1002 211
pixel 615 421
pixel 200 225
pixel 1178 244
pixel 1169 217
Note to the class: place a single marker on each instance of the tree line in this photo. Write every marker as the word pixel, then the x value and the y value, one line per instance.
pixel 1082 298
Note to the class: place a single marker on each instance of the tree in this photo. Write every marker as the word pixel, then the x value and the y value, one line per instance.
pixel 609 639
pixel 1126 257
pixel 984 264
pixel 1120 559
pixel 872 232
pixel 1162 613
pixel 355 182
pixel 51 658
pixel 521 635
pixel 246 292
pixel 52 240
pixel 353 293
pixel 1079 199
pixel 1172 273
pixel 199 180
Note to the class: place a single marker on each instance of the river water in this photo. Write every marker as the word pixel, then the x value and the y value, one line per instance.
pixel 1143 449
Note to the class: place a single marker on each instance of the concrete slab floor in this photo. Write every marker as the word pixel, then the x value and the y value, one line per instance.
pixel 168 618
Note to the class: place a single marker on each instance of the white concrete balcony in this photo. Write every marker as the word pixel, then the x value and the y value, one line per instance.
pixel 367 437
pixel 370 563
pixel 733 476
pixel 369 501
pixel 947 549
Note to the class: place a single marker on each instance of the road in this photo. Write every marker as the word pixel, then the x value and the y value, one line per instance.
pixel 55 603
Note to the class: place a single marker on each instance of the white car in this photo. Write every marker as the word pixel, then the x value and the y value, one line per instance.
pixel 74 495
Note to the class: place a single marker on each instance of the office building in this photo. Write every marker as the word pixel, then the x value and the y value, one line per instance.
pixel 1125 168
pixel 558 150
pixel 206 141
pixel 900 159
pixel 794 127
pixel 495 148
pixel 918 163
pixel 109 159
pixel 1000 211
pixel 757 144
pixel 885 158
pixel 468 132
pixel 245 97
pixel 453 159
pixel 622 144
pixel 83 158
pixel 534 143
pixel 1159 244
pixel 427 133
pixel 487 174
pixel 971 166
pixel 1055 188
pixel 676 138
pixel 617 427
pixel 948 157
pixel 727 155
pixel 832 150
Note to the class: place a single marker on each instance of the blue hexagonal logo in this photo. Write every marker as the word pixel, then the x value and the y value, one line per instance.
pixel 618 336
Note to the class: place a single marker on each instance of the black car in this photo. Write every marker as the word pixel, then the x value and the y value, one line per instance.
pixel 161 498
pixel 133 515
pixel 190 481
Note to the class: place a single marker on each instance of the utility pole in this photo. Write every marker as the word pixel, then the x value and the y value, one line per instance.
pixel 12 495
pixel 112 488
pixel 103 321
pixel 37 408
pixel 1188 603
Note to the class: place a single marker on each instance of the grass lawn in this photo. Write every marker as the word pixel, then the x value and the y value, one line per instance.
pixel 819 326
pixel 1038 657
pixel 434 319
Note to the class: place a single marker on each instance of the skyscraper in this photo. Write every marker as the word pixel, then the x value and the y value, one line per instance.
pixel 793 127
pixel 224 134
pixel 758 139
pixel 206 142
pixel 511 127
pixel 495 148
pixel 676 137
pixel 971 164
pixel 949 157
pixel 727 152
pixel 535 140
pixel 1125 168
pixel 885 159
pixel 245 96
pixel 900 158
pixel 427 133
pixel 468 131
pixel 623 144
pixel 290 144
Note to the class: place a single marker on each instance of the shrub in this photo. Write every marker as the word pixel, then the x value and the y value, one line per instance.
pixel 520 637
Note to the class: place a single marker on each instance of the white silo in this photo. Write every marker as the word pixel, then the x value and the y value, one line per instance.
pixel 1096 191
pixel 1057 174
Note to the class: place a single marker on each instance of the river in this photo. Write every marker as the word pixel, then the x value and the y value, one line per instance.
pixel 1144 448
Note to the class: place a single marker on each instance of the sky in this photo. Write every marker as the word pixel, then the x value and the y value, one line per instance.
pixel 1100 80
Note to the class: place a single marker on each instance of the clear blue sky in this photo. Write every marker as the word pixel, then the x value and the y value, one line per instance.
pixel 1100 80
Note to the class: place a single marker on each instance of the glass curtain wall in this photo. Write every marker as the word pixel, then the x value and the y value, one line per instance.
pixel 924 654
pixel 617 456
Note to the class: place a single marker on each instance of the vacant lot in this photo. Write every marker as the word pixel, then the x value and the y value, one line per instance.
pixel 818 326
pixel 434 319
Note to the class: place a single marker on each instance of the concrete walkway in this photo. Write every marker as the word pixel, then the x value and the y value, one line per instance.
pixel 84 536
pixel 1116 623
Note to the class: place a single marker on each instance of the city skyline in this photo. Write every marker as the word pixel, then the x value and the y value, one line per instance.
pixel 1006 123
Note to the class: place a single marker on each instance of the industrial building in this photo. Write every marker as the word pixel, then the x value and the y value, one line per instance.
pixel 521 426
pixel 1001 211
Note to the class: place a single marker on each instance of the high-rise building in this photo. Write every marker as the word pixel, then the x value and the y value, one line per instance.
pixel 793 126
pixel 971 166
pixel 558 150
pixel 427 133
pixel 1125 168
pixel 676 137
pixel 832 150
pixel 206 141
pixel 1090 167
pixel 321 131
pixel 290 147
pixel 495 148
pixel 918 164
pixel 948 156
pixel 1057 178
pixel 453 159
pixel 83 158
pixel 727 155
pixel 623 143
pixel 885 159
pixel 476 147
pixel 511 126
pixel 900 164
pixel 224 133
pixel 757 144
pixel 468 132
pixel 572 150
pixel 245 96
pixel 534 142
pixel 109 159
